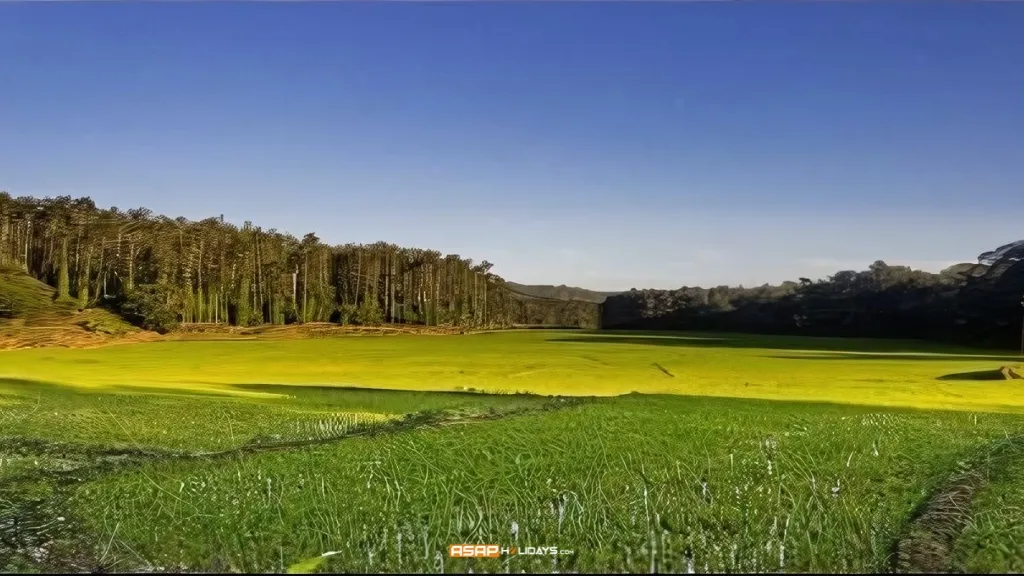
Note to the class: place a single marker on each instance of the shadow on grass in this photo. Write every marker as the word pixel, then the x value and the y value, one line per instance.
pixel 976 376
pixel 944 357
pixel 342 389
pixel 1005 373
pixel 344 397
pixel 17 387
pixel 811 348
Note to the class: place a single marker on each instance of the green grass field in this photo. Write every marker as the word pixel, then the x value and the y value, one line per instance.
pixel 993 540
pixel 741 453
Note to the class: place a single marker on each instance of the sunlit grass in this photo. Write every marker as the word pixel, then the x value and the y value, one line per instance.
pixel 636 483
pixel 872 372
pixel 141 419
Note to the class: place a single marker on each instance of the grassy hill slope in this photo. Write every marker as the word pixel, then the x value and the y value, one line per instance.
pixel 30 316
pixel 24 297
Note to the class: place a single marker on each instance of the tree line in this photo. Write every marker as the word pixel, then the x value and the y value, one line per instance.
pixel 976 303
pixel 161 271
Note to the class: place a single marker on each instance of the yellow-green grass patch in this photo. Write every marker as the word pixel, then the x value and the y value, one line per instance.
pixel 871 372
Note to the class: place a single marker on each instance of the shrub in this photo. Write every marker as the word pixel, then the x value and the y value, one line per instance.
pixel 153 307
pixel 370 314
pixel 346 314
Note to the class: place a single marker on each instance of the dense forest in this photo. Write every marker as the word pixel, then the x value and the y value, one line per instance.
pixel 160 272
pixel 969 303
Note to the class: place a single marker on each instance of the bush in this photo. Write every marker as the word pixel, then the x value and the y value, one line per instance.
pixel 103 322
pixel 411 316
pixel 447 317
pixel 346 314
pixel 256 318
pixel 289 315
pixel 370 314
pixel 153 307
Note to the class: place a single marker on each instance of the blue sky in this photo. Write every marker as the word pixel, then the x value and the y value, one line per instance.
pixel 601 145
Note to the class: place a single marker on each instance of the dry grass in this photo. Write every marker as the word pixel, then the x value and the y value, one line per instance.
pixel 40 320
pixel 301 331
pixel 94 328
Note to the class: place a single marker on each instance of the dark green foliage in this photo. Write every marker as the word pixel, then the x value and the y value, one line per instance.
pixel 369 314
pixel 243 306
pixel 557 313
pixel 346 314
pixel 967 303
pixel 246 275
pixel 562 292
pixel 63 278
pixel 413 317
pixel 153 307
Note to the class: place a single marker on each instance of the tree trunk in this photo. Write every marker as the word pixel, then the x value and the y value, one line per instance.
pixel 391 282
pixel 63 275
pixel 359 272
pixel 4 248
pixel 199 284
pixel 131 265
pixel 28 241
pixel 102 271
pixel 259 275
pixel 83 283
pixel 305 284
pixel 437 294
pixel 244 312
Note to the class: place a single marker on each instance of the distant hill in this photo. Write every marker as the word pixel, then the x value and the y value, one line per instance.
pixel 562 292
pixel 965 270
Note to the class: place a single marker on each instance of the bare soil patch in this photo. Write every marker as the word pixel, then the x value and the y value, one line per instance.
pixel 299 331
pixel 79 330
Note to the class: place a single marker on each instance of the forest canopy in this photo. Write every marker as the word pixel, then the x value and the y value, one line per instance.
pixel 160 271
pixel 970 303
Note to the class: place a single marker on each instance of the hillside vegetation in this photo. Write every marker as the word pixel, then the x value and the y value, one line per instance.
pixel 161 271
pixel 978 304
pixel 22 296
pixel 32 316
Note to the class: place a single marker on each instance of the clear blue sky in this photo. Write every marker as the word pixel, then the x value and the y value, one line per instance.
pixel 601 145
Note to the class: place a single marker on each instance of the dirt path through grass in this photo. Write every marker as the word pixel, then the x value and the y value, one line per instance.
pixel 38 534
pixel 928 544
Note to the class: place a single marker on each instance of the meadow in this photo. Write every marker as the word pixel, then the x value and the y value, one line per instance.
pixel 860 371
pixel 628 452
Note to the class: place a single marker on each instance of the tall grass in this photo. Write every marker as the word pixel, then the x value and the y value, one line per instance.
pixel 193 422
pixel 993 541
pixel 630 484
pixel 711 478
